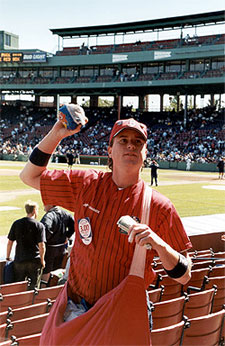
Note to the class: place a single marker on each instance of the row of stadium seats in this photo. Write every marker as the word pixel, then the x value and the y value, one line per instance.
pixel 188 318
pixel 109 78
pixel 143 46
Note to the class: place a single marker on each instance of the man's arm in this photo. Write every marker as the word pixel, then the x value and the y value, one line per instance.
pixel 42 253
pixel 173 262
pixel 8 250
pixel 31 173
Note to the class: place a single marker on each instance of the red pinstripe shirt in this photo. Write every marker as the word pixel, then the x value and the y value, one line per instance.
pixel 102 264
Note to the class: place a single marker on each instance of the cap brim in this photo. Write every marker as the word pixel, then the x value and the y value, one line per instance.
pixel 130 128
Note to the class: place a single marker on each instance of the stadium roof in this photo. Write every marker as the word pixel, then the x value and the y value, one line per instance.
pixel 194 20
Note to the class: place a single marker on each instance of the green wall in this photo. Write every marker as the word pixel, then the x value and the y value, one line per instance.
pixel 102 160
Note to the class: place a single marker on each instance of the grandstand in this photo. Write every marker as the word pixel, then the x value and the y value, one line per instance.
pixel 189 65
pixel 182 66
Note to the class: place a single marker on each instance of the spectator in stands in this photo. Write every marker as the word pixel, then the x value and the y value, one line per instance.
pixel 205 143
pixel 154 174
pixel 101 256
pixel 29 235
pixel 59 227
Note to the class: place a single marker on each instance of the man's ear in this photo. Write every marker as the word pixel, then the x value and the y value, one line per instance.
pixel 110 151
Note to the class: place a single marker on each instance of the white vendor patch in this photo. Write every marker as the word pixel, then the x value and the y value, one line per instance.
pixel 84 227
pixel 214 187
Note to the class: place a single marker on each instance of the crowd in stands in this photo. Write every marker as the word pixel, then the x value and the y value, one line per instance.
pixel 201 140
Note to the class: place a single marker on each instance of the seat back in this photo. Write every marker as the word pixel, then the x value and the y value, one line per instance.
pixel 202 264
pixel 197 277
pixel 29 340
pixel 14 287
pixel 218 270
pixel 172 289
pixel 219 299
pixel 205 330
pixel 220 254
pixel 26 311
pixel 155 295
pixel 199 304
pixel 2 332
pixel 16 300
pixel 43 294
pixel 2 266
pixel 26 326
pixel 206 252
pixel 170 336
pixel 168 312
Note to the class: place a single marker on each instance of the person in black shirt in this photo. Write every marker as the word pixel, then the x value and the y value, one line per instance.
pixel 70 159
pixel 220 166
pixel 59 226
pixel 29 235
pixel 154 175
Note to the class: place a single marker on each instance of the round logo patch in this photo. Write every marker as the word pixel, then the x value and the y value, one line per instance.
pixel 85 232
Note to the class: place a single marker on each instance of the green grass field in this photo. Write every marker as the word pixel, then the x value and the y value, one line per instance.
pixel 185 190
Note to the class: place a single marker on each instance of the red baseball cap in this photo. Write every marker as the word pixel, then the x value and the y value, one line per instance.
pixel 131 124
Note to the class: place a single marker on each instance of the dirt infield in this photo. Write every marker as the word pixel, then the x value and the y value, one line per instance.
pixel 11 195
pixel 10 172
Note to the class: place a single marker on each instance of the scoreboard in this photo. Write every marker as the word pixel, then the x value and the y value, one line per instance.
pixel 11 57
pixel 22 57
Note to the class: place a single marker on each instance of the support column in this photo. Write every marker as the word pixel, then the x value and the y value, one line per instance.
pixel 93 101
pixel 146 103
pixel 1 100
pixel 37 100
pixel 74 99
pixel 212 100
pixel 161 102
pixel 57 103
pixel 185 110
pixel 194 102
pixel 220 98
pixel 141 102
pixel 178 102
pixel 55 100
pixel 119 105
pixel 115 102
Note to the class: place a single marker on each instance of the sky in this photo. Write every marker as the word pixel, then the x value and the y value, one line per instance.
pixel 32 20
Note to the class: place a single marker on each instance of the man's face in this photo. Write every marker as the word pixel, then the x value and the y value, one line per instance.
pixel 129 149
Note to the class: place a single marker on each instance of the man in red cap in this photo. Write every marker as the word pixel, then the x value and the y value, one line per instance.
pixel 101 255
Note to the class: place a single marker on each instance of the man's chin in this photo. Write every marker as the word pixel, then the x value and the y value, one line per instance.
pixel 131 162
